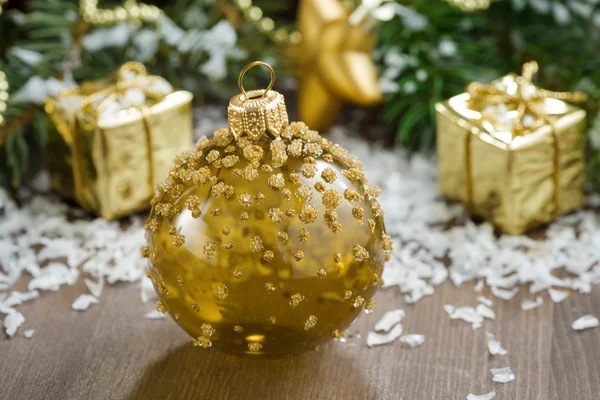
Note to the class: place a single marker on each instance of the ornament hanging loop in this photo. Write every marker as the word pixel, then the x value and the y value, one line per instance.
pixel 249 67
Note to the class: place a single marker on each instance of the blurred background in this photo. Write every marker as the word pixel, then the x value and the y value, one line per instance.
pixel 392 60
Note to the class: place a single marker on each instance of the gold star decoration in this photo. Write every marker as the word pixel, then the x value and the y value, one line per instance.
pixel 334 63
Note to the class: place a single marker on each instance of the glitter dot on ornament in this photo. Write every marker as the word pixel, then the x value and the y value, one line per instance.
pixel 265 239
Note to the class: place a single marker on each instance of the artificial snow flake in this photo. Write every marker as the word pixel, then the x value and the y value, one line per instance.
pixel 115 36
pixel 83 302
pixel 530 305
pixel 485 311
pixel 29 333
pixel 12 322
pixel 558 295
pixel 494 345
pixel 585 322
pixel 376 339
pixel 487 396
pixel 485 300
pixel 478 286
pixel 36 89
pixel 155 314
pixel 413 340
pixel 504 294
pixel 27 56
pixel 467 314
pixel 502 375
pixel 95 288
pixel 447 48
pixel 17 298
pixel 389 319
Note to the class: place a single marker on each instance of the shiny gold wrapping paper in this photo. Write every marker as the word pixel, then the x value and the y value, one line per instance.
pixel 110 169
pixel 515 181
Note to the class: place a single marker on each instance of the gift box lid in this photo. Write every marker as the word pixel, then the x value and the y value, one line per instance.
pixel 511 111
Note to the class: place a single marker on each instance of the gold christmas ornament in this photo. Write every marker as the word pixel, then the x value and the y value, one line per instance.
pixel 512 152
pixel 111 141
pixel 334 60
pixel 266 240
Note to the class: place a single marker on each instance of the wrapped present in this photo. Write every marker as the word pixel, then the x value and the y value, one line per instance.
pixel 112 140
pixel 511 152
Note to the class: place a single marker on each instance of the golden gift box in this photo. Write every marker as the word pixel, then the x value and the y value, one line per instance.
pixel 511 152
pixel 110 141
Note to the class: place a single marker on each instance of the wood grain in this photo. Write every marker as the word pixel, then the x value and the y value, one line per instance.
pixel 112 352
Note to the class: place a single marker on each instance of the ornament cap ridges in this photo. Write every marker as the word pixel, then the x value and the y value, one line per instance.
pixel 257 112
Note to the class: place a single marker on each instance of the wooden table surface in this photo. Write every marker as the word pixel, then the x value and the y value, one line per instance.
pixel 112 352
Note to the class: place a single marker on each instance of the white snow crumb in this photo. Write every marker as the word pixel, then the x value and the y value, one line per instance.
pixel 83 302
pixel 502 375
pixel 585 322
pixel 376 339
pixel 29 333
pixel 413 340
pixel 485 300
pixel 487 396
pixel 558 295
pixel 485 311
pixel 504 294
pixel 36 89
pixel 154 314
pixel 17 298
pixel 99 39
pixel 95 288
pixel 467 314
pixel 479 285
pixel 494 346
pixel 12 322
pixel 439 276
pixel 530 305
pixel 389 319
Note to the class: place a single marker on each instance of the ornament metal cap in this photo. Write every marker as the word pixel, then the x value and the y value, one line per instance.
pixel 257 112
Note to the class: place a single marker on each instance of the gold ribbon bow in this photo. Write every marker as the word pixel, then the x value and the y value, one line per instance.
pixel 95 103
pixel 522 97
